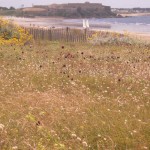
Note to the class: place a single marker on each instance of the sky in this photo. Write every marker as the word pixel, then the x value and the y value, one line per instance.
pixel 112 3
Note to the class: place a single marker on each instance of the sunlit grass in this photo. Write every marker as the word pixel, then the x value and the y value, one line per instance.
pixel 74 96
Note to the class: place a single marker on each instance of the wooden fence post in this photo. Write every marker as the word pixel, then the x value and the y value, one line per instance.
pixel 67 34
pixel 50 34
pixel 85 35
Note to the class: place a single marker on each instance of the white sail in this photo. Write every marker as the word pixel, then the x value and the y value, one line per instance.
pixel 84 23
pixel 87 23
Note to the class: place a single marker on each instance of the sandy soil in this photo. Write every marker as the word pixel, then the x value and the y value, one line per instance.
pixel 142 36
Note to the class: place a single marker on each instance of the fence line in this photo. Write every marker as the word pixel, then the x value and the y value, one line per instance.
pixel 62 34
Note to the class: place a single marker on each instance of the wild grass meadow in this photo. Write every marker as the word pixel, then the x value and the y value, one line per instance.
pixel 73 96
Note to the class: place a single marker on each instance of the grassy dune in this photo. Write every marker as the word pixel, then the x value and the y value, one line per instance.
pixel 58 96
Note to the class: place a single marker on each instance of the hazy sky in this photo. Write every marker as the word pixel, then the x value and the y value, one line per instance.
pixel 112 3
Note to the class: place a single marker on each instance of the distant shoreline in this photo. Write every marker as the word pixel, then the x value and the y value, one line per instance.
pixel 134 14
pixel 53 22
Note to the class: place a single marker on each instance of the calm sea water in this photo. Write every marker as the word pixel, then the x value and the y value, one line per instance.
pixel 140 24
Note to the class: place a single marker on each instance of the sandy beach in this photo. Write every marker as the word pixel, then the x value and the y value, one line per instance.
pixel 141 36
pixel 53 22
pixel 134 14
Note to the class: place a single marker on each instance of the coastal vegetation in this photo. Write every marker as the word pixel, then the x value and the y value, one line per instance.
pixel 11 33
pixel 87 96
pixel 4 11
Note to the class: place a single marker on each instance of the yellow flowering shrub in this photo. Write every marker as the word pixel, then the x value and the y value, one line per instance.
pixel 12 34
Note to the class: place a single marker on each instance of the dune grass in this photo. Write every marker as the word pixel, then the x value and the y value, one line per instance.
pixel 61 96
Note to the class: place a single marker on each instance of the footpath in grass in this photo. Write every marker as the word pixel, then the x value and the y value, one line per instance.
pixel 60 96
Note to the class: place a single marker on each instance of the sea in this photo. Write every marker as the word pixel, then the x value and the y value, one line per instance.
pixel 137 24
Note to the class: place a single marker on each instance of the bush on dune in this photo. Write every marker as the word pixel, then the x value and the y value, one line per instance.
pixel 115 38
pixel 12 34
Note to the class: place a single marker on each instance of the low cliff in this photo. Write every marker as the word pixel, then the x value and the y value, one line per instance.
pixel 71 10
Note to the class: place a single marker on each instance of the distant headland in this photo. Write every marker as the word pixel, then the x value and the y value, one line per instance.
pixel 70 10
